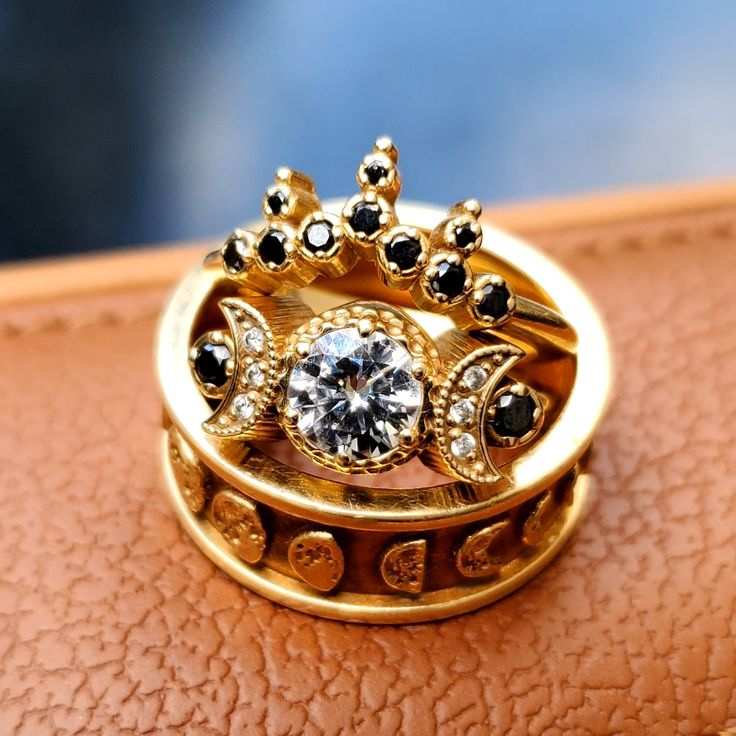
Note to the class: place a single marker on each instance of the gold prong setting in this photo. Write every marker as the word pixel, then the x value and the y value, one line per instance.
pixel 330 362
pixel 515 414
pixel 212 362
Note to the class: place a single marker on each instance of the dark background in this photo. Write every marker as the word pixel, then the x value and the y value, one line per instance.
pixel 124 123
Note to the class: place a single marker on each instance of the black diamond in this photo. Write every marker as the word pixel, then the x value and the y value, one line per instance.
pixel 403 251
pixel 375 171
pixel 449 280
pixel 365 218
pixel 494 302
pixel 318 236
pixel 514 415
pixel 464 236
pixel 271 247
pixel 209 363
pixel 276 200
pixel 234 255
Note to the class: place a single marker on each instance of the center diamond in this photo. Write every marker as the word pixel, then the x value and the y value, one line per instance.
pixel 354 394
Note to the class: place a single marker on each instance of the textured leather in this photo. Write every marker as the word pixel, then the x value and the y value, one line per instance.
pixel 111 621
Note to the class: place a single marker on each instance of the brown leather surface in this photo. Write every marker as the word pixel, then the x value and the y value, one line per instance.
pixel 111 621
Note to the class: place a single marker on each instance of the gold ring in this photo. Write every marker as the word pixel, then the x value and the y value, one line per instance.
pixel 376 411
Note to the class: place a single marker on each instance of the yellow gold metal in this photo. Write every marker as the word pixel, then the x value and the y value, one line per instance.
pixel 403 565
pixel 237 520
pixel 475 558
pixel 191 475
pixel 317 559
pixel 309 529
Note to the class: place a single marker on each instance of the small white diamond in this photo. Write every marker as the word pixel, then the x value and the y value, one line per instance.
pixel 255 340
pixel 475 377
pixel 255 376
pixel 462 411
pixel 242 407
pixel 463 446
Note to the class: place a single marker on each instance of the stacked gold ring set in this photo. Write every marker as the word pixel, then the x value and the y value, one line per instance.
pixel 376 411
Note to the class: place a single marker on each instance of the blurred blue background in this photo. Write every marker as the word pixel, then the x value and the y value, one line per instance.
pixel 124 123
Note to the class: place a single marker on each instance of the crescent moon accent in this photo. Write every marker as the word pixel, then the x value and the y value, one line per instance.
pixel 460 413
pixel 237 519
pixel 474 558
pixel 254 377
pixel 403 565
pixel 533 530
pixel 317 559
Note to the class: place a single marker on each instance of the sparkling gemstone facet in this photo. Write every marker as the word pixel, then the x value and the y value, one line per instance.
pixel 464 236
pixel 318 236
pixel 462 411
pixel 494 301
pixel 463 446
pixel 242 407
pixel 354 394
pixel 271 247
pixel 235 255
pixel 365 218
pixel 210 363
pixel 276 201
pixel 375 171
pixel 255 376
pixel 403 251
pixel 475 377
pixel 449 280
pixel 514 415
pixel 255 340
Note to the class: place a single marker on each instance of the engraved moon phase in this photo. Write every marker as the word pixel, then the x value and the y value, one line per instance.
pixel 190 474
pixel 254 375
pixel 403 565
pixel 475 558
pixel 317 559
pixel 460 414
pixel 237 519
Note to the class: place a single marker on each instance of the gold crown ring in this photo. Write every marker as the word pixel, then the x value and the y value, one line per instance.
pixel 390 449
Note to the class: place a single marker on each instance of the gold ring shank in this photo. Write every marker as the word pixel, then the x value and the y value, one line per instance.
pixel 480 541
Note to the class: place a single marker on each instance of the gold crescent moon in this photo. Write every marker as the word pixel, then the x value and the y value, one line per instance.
pixel 403 564
pixel 461 436
pixel 474 558
pixel 254 376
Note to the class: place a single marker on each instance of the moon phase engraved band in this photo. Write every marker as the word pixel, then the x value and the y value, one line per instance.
pixel 376 411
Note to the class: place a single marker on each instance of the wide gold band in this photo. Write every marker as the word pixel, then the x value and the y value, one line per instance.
pixel 395 549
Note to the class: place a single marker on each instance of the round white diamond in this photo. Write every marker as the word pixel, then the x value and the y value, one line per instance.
pixel 475 377
pixel 255 376
pixel 255 340
pixel 354 394
pixel 462 411
pixel 463 446
pixel 242 407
